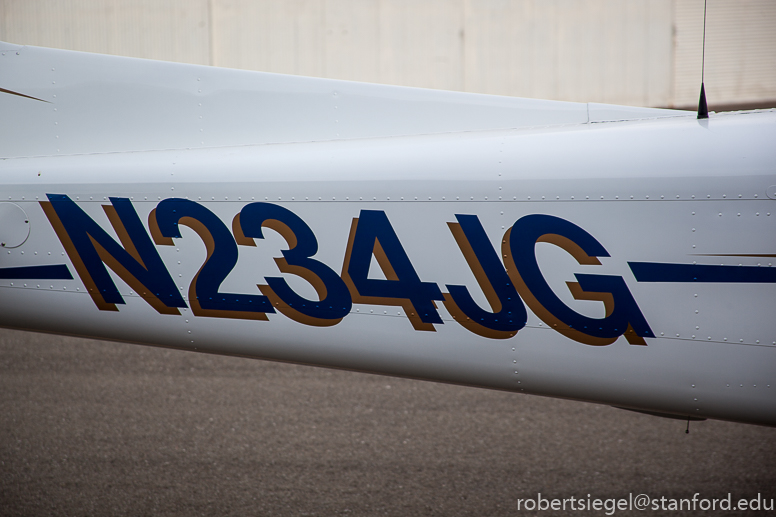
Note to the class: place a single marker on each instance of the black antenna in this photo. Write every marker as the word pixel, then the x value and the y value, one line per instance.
pixel 703 109
pixel 687 431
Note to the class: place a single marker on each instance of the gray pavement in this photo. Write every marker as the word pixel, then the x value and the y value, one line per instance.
pixel 96 428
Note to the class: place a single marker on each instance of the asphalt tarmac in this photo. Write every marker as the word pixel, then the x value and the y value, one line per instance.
pixel 97 428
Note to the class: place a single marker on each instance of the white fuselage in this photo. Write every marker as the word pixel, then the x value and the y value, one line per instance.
pixel 665 191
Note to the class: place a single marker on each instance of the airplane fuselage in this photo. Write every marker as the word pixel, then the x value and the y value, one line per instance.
pixel 624 263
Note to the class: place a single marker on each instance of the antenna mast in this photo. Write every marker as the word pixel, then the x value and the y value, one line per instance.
pixel 703 109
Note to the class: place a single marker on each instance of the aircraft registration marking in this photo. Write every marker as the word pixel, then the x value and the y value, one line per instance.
pixel 509 282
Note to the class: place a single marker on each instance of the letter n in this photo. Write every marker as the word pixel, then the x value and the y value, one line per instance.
pixel 90 249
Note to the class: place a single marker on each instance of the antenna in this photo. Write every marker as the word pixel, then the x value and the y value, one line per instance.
pixel 703 109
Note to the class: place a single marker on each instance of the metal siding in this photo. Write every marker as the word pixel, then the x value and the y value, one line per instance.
pixel 282 37
pixel 169 30
pixel 740 51
pixel 598 51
